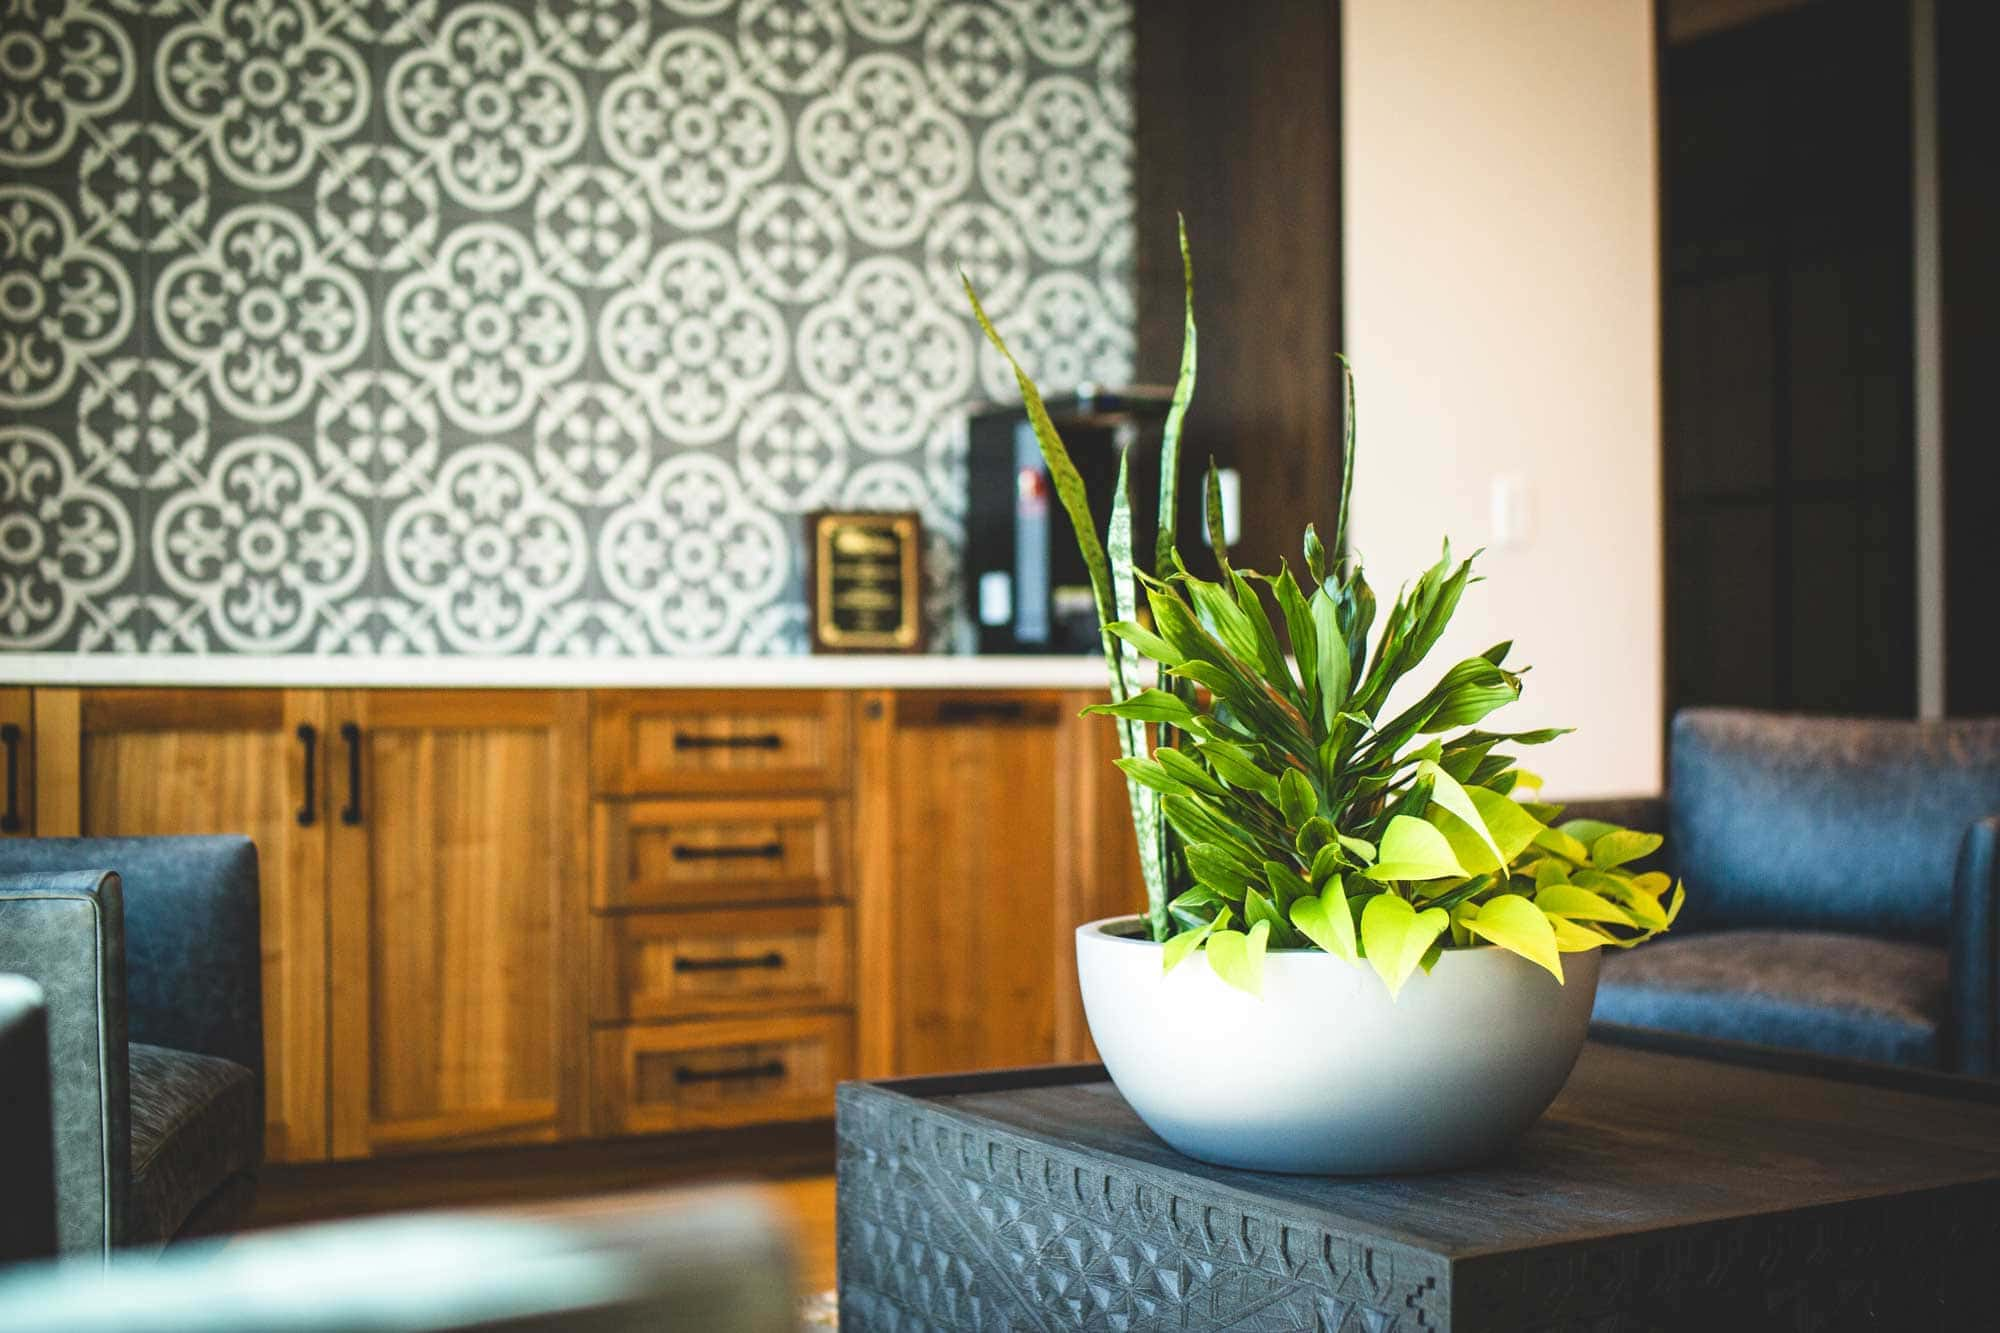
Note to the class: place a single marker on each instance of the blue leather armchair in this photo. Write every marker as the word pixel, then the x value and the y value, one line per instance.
pixel 1843 881
pixel 148 952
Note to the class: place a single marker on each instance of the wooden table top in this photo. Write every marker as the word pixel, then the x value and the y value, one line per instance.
pixel 1640 1140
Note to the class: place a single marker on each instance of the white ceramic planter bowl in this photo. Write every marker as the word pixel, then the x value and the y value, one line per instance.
pixel 1324 1074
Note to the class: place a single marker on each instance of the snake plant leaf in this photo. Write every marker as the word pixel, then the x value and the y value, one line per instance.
pixel 1620 846
pixel 1128 675
pixel 1396 937
pixel 1238 958
pixel 1518 926
pixel 1211 512
pixel 1148 706
pixel 1326 921
pixel 1170 437
pixel 1347 434
pixel 1581 904
pixel 1149 772
pixel 1446 792
pixel 1176 950
pixel 1412 849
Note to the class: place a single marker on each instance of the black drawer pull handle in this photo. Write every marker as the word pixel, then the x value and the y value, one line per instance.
pixel 308 809
pixel 773 960
pixel 981 710
pixel 769 1069
pixel 688 740
pixel 351 734
pixel 10 736
pixel 758 851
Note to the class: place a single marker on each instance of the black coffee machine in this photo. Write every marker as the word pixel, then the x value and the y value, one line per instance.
pixel 1025 583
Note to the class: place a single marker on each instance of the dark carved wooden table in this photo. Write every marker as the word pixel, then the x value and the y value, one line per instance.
pixel 1673 1185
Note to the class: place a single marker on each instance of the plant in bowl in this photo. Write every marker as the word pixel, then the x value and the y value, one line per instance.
pixel 1361 950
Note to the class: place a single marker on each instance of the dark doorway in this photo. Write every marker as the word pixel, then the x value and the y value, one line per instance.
pixel 1788 350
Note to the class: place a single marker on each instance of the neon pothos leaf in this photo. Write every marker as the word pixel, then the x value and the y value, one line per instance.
pixel 1239 958
pixel 1622 845
pixel 1518 926
pixel 1327 922
pixel 1446 792
pixel 1412 849
pixel 1176 950
pixel 1397 936
pixel 1567 900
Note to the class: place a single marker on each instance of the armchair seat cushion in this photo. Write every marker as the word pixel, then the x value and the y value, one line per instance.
pixel 197 1126
pixel 1845 995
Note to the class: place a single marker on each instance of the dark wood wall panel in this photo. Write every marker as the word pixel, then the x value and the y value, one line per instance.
pixel 1239 129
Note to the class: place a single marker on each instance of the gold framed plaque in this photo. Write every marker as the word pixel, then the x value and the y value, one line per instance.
pixel 866 576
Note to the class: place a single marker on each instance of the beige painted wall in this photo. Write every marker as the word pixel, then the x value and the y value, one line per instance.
pixel 1500 246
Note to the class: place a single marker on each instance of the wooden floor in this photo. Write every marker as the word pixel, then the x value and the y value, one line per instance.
pixel 793 1164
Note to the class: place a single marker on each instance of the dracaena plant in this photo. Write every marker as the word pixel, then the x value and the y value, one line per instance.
pixel 1274 803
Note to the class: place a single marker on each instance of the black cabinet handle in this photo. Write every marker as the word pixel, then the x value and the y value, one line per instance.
pixel 308 811
pixel 769 1069
pixel 351 734
pixel 761 851
pixel 691 740
pixel 981 710
pixel 10 736
pixel 772 960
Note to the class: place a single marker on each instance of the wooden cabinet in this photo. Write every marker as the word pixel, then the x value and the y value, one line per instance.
pixel 990 826
pixel 457 910
pixel 127 763
pixel 17 763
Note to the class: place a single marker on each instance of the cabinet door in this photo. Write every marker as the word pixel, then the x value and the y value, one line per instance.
pixel 457 905
pixel 985 836
pixel 17 764
pixel 143 762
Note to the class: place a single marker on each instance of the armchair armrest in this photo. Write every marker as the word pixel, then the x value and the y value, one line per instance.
pixel 1975 950
pixel 65 931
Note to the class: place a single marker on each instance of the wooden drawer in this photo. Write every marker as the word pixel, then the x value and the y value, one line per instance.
pixel 715 853
pixel 681 964
pixel 646 743
pixel 720 1072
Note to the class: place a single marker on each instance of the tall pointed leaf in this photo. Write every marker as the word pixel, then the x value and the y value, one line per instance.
pixel 1170 437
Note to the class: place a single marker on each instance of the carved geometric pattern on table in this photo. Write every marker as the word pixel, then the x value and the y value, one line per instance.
pixel 524 326
pixel 948 1227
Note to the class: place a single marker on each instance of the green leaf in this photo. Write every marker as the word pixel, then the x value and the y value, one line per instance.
pixel 1315 553
pixel 1326 863
pixel 1643 907
pixel 1177 949
pixel 1149 773
pixel 1296 801
pixel 1218 868
pixel 1575 937
pixel 1238 767
pixel 1239 959
pixel 1413 849
pixel 1332 667
pixel 1518 926
pixel 1587 831
pixel 1361 847
pixel 1346 453
pixel 1211 509
pixel 1512 825
pixel 1170 436
pixel 1148 706
pixel 1550 870
pixel 1147 642
pixel 1183 769
pixel 1396 936
pixel 1622 845
pixel 1327 921
pixel 1256 908
pixel 1555 840
pixel 1580 904
pixel 1287 885
pixel 1299 633
pixel 1446 792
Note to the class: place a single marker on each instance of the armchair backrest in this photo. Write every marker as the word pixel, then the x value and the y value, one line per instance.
pixel 1826 823
pixel 192 953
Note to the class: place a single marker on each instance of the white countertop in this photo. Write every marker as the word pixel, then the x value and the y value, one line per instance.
pixel 858 671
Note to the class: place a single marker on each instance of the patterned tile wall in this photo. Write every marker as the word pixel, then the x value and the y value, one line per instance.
pixel 410 326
